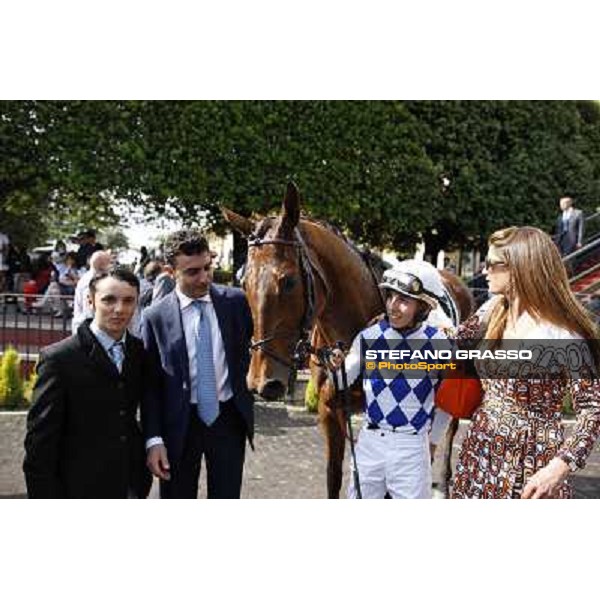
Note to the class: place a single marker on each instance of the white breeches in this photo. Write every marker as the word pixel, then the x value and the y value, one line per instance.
pixel 396 463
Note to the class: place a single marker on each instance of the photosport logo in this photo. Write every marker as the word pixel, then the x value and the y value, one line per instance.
pixel 528 359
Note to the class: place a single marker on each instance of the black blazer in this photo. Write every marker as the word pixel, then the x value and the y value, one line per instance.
pixel 83 440
pixel 166 408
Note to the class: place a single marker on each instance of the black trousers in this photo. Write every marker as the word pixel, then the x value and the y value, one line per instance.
pixel 223 446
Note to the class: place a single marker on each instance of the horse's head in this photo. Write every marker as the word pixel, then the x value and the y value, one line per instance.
pixel 277 281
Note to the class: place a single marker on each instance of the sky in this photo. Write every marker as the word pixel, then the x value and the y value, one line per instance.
pixel 148 233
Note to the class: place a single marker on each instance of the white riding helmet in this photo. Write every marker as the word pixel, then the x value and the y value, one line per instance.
pixel 416 279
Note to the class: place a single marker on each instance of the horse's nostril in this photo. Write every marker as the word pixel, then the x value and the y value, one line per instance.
pixel 272 390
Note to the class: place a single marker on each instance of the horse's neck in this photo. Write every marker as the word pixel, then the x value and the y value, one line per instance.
pixel 349 297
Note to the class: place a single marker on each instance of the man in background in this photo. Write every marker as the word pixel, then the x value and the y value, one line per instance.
pixel 87 246
pixel 4 247
pixel 100 262
pixel 569 227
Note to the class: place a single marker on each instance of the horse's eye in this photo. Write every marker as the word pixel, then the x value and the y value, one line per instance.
pixel 288 283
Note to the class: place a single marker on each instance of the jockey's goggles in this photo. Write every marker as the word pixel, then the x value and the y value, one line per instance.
pixel 409 285
pixel 404 283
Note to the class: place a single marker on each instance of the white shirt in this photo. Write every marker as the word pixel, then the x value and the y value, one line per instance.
pixel 567 214
pixel 190 317
pixel 104 339
pixel 81 307
pixel 65 273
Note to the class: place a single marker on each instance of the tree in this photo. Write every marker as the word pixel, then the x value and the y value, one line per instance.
pixel 52 177
pixel 389 173
pixel 507 163
pixel 115 239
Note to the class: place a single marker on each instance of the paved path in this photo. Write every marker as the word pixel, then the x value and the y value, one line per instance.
pixel 288 462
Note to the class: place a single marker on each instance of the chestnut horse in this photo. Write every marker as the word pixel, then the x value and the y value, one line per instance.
pixel 306 281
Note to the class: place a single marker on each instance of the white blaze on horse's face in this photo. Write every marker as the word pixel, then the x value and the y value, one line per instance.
pixel 275 293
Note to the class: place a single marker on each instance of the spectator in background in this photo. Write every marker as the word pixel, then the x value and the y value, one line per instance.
pixel 19 268
pixel 569 227
pixel 68 276
pixel 60 247
pixel 87 246
pixel 100 262
pixel 51 289
pixel 151 272
pixel 144 260
pixel 43 273
pixel 164 283
pixel 4 245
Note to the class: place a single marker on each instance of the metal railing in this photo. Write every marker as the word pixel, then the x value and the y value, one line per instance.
pixel 30 322
pixel 592 227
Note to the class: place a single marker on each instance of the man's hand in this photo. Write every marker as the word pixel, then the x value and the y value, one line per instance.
pixel 546 482
pixel 157 461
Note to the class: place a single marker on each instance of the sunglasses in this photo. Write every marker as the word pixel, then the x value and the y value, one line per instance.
pixel 492 264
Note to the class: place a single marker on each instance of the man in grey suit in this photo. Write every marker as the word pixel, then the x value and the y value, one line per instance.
pixel 569 227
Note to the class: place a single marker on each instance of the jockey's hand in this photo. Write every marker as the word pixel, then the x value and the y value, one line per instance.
pixel 546 482
pixel 336 358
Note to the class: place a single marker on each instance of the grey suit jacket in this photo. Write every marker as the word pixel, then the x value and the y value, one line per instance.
pixel 571 233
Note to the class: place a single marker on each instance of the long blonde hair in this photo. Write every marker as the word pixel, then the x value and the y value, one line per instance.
pixel 539 279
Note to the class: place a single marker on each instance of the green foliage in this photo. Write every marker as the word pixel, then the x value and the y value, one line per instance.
pixel 386 172
pixel 11 384
pixel 28 387
pixel 115 239
pixel 507 163
pixel 311 397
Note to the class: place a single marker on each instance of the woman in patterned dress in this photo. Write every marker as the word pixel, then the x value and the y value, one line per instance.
pixel 515 446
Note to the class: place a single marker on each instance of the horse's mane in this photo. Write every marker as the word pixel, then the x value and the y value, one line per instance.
pixel 372 260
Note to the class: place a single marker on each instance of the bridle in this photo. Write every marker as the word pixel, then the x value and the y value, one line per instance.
pixel 297 360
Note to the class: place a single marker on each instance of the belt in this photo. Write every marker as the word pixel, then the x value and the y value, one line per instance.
pixel 375 427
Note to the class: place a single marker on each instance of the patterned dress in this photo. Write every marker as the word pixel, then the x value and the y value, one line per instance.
pixel 517 429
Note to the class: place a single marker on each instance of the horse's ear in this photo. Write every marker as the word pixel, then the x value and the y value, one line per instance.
pixel 290 210
pixel 242 224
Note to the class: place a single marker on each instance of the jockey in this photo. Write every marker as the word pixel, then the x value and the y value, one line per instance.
pixel 393 451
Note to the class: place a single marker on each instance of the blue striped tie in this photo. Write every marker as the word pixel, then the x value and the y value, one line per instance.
pixel 117 354
pixel 206 384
